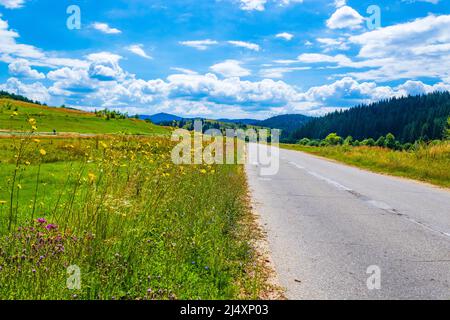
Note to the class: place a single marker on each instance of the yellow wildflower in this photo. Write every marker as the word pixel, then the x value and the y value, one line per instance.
pixel 15 114
pixel 32 121
pixel 43 152
pixel 2 202
pixel 27 163
pixel 104 145
pixel 19 186
pixel 34 128
pixel 37 140
pixel 203 171
pixel 91 177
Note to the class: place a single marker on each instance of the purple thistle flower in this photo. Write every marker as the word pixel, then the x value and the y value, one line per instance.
pixel 41 220
pixel 51 227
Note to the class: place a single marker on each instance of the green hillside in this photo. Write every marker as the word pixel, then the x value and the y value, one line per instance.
pixel 14 116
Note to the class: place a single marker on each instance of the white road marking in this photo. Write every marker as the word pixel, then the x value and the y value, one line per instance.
pixel 374 203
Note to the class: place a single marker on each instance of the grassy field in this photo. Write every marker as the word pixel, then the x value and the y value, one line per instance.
pixel 429 163
pixel 117 210
pixel 14 116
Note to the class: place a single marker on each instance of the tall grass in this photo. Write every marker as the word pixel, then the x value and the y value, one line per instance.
pixel 136 226
pixel 425 162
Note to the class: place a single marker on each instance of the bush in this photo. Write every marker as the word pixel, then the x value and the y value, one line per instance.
pixel 390 141
pixel 314 143
pixel 348 141
pixel 333 139
pixel 368 142
pixel 304 141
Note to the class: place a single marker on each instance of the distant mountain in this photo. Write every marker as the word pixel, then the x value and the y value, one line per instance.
pixel 240 121
pixel 408 118
pixel 161 117
pixel 287 123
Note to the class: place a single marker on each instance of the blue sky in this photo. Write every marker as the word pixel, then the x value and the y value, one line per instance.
pixel 223 58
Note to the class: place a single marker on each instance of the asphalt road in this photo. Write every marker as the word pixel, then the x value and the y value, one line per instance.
pixel 327 223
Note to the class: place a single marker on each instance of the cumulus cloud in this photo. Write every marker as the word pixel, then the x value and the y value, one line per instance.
pixel 21 68
pixel 247 45
pixel 199 44
pixel 138 50
pixel 345 18
pixel 35 91
pixel 105 28
pixel 12 4
pixel 230 68
pixel 285 35
pixel 414 49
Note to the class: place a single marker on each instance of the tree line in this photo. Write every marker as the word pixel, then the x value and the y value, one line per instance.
pixel 409 119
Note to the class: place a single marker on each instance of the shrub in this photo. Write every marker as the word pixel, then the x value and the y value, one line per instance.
pixel 304 141
pixel 333 139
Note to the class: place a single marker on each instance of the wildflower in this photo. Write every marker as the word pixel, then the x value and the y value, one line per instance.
pixel 15 114
pixel 42 152
pixel 27 163
pixel 2 202
pixel 33 128
pixel 104 145
pixel 19 186
pixel 51 227
pixel 91 177
pixel 203 171
pixel 41 220
pixel 32 121
pixel 37 140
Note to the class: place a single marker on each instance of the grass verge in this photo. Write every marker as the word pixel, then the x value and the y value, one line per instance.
pixel 428 163
pixel 117 215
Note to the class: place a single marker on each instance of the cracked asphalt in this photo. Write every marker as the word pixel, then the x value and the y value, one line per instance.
pixel 327 223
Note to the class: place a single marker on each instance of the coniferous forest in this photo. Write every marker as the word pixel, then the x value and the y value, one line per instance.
pixel 409 118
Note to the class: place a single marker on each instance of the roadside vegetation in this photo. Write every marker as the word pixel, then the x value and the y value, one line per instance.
pixel 115 208
pixel 425 161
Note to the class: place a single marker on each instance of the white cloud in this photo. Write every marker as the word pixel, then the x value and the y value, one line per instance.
pixel 138 50
pixel 339 59
pixel 21 68
pixel 230 68
pixel 184 70
pixel 410 50
pixel 12 4
pixel 105 28
pixel 340 3
pixel 199 44
pixel 35 91
pixel 247 45
pixel 333 43
pixel 249 5
pixel 259 5
pixel 345 17
pixel 285 35
pixel 278 72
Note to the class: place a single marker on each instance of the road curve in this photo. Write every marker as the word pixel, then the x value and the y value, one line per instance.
pixel 327 223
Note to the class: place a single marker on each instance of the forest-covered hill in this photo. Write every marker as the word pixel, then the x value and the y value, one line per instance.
pixel 409 119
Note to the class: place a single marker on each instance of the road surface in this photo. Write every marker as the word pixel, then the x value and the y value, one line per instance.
pixel 327 223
